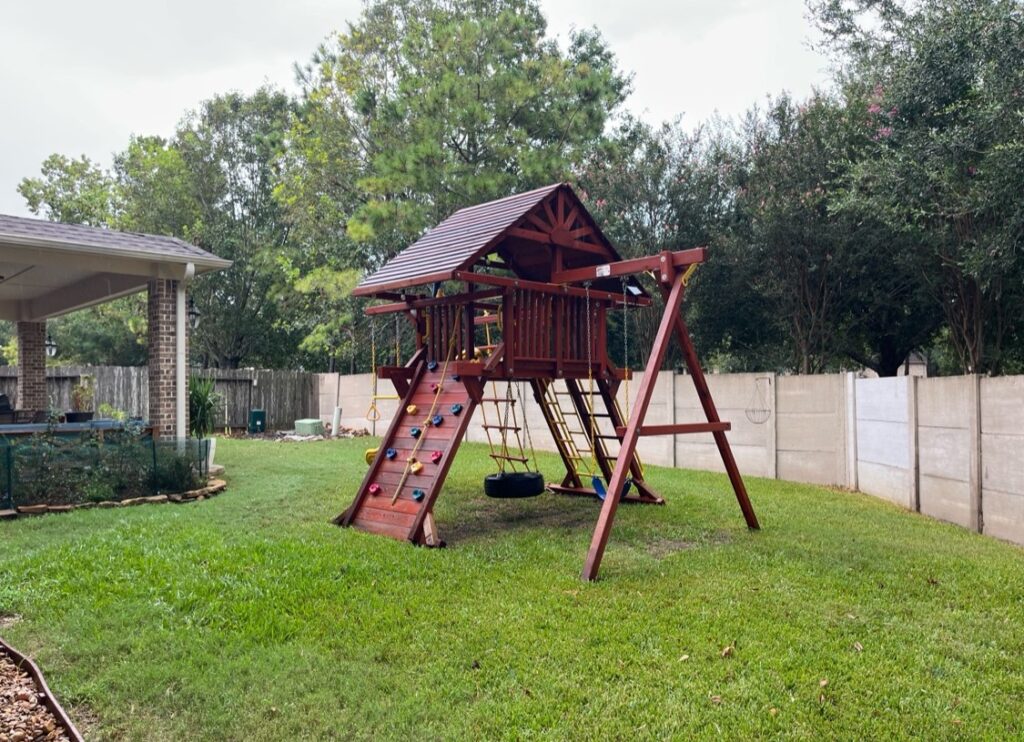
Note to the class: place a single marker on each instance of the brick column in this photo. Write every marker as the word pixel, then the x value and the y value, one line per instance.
pixel 32 366
pixel 162 391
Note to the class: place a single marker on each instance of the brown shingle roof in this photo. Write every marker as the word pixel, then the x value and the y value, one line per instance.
pixel 22 231
pixel 454 244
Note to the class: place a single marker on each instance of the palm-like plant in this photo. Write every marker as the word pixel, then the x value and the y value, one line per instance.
pixel 202 406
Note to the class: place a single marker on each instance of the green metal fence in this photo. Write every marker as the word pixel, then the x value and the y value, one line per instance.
pixel 57 467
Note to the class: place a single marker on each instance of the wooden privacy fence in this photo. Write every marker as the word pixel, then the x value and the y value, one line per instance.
pixel 286 396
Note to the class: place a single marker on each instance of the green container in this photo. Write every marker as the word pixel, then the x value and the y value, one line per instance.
pixel 257 421
pixel 312 426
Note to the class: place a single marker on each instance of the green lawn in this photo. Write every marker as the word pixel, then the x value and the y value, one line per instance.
pixel 250 617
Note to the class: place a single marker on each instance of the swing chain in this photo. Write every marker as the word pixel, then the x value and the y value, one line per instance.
pixel 625 338
pixel 373 413
pixel 590 383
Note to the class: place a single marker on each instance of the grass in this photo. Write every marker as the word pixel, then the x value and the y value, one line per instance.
pixel 250 617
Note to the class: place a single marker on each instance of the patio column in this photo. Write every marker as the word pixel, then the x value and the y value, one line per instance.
pixel 32 366
pixel 164 359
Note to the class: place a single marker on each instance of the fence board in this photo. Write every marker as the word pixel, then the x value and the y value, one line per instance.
pixel 285 395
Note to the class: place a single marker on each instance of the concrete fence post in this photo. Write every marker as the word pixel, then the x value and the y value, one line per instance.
pixel 850 441
pixel 913 429
pixel 773 430
pixel 672 414
pixel 977 514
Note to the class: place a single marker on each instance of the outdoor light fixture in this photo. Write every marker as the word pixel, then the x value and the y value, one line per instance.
pixel 193 314
pixel 51 346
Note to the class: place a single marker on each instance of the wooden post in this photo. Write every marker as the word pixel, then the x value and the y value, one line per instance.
pixel 711 413
pixel 618 479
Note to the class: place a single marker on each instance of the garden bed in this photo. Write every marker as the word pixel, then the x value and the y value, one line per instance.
pixel 28 710
pixel 213 487
pixel 55 470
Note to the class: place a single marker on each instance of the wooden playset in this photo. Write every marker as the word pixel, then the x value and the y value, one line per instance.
pixel 536 280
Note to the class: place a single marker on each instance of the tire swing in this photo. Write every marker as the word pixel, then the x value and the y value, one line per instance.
pixel 507 483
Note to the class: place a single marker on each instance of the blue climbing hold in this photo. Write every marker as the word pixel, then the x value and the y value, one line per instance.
pixel 436 421
pixel 455 377
pixel 432 366
pixel 415 432
pixel 391 453
pixel 456 409
pixel 418 495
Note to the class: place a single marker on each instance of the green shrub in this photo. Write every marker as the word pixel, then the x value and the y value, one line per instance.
pixel 202 406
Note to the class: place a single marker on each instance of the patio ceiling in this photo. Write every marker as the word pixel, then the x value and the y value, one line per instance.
pixel 48 269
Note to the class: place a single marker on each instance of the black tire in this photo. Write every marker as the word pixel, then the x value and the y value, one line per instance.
pixel 514 484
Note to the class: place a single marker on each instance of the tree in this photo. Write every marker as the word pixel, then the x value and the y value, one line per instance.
pixel 944 86
pixel 79 191
pixel 74 191
pixel 212 184
pixel 229 148
pixel 422 107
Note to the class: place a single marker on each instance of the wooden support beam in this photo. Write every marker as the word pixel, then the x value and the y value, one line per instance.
pixel 472 297
pixel 559 237
pixel 711 413
pixel 629 440
pixel 548 288
pixel 682 429
pixel 679 259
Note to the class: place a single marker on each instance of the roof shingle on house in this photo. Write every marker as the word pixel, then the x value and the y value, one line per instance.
pixel 22 231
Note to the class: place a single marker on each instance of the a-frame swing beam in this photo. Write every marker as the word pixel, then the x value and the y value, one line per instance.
pixel 671 325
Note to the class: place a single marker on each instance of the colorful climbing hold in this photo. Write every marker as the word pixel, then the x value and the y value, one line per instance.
pixel 412 409
pixel 432 366
pixel 415 432
pixel 436 388
pixel 415 467
pixel 456 409
pixel 455 377
pixel 375 489
pixel 435 457
pixel 391 453
pixel 418 495
pixel 436 421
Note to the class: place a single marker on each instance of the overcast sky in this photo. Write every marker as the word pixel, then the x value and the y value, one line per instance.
pixel 81 77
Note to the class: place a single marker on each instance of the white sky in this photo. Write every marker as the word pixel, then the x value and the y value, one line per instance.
pixel 81 77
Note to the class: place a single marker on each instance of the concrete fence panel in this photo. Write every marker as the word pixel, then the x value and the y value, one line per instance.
pixel 946 409
pixel 885 453
pixel 752 443
pixel 1002 457
pixel 811 429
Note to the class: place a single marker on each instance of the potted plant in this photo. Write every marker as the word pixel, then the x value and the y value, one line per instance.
pixel 202 412
pixel 82 395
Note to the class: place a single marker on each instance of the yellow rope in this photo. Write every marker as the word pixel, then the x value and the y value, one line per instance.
pixel 433 406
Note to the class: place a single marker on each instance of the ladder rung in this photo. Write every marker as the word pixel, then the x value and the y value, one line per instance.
pixel 497 399
pixel 520 459
pixel 501 427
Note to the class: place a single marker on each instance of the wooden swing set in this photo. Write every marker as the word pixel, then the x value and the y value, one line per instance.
pixel 535 280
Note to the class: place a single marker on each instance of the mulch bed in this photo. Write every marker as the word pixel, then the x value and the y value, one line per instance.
pixel 24 716
pixel 213 487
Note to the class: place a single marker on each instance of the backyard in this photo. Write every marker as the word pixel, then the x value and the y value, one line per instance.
pixel 249 616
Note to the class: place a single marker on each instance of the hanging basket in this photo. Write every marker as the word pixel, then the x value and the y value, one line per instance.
pixel 758 410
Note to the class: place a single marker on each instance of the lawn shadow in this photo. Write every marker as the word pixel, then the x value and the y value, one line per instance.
pixel 483 517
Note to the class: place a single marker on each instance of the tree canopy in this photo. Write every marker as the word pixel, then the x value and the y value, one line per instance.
pixel 875 218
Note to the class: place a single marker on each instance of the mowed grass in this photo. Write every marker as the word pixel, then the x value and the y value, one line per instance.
pixel 250 617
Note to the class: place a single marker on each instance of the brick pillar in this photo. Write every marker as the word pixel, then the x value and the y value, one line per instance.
pixel 162 390
pixel 32 366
